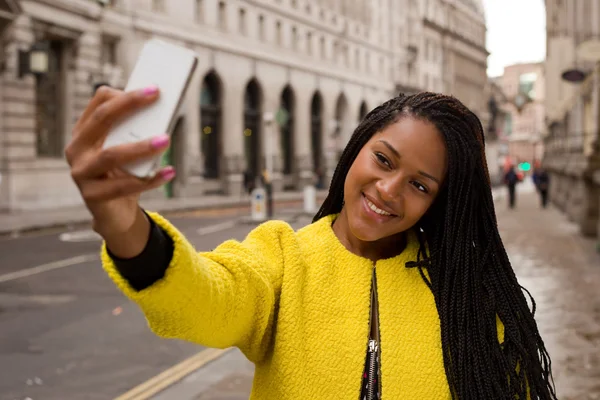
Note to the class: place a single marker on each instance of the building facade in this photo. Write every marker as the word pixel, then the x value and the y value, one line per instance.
pixel 454 57
pixel 496 147
pixel 524 105
pixel 318 65
pixel 572 151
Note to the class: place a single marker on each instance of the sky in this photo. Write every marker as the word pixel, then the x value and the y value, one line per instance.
pixel 516 32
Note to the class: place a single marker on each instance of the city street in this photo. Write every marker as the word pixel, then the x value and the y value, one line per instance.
pixel 68 334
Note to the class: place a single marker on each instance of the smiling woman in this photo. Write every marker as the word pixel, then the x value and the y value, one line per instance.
pixel 400 287
pixel 416 165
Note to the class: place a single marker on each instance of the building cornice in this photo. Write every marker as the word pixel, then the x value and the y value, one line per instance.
pixel 454 35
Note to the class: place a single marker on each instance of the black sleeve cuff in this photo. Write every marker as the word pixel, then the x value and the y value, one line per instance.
pixel 143 270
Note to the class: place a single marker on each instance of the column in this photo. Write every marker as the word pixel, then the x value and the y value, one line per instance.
pixel 270 136
pixel 233 139
pixel 302 137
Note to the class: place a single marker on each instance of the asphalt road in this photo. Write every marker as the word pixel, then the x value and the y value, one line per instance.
pixel 65 330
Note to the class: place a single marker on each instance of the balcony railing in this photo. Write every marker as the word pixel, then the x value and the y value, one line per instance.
pixel 574 143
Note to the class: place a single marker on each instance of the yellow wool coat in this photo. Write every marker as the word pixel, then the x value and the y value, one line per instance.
pixel 297 305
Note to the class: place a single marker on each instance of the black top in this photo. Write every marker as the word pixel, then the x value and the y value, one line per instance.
pixel 143 270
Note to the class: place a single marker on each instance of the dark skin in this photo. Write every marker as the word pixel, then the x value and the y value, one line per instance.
pixel 394 180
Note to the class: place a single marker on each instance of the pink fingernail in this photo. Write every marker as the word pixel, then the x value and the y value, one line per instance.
pixel 168 173
pixel 161 141
pixel 150 90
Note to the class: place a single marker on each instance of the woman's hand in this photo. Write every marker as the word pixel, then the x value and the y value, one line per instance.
pixel 109 193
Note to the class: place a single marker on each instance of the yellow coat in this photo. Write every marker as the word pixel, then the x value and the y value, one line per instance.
pixel 297 305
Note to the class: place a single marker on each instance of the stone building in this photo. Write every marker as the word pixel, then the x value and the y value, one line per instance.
pixel 496 129
pixel 523 86
pixel 572 151
pixel 453 57
pixel 319 65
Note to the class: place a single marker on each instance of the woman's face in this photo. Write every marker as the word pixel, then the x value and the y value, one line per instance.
pixel 394 179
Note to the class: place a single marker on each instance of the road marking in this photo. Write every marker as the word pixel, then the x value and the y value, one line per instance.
pixel 48 267
pixel 205 230
pixel 172 375
pixel 86 235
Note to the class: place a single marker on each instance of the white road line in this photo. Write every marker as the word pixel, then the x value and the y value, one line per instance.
pixel 205 230
pixel 86 235
pixel 48 267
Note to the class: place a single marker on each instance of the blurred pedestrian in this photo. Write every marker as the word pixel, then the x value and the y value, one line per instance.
pixel 406 244
pixel 541 180
pixel 511 179
pixel 249 181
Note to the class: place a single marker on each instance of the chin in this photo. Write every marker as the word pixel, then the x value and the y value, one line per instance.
pixel 366 232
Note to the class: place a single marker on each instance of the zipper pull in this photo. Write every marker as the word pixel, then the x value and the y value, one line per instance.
pixel 373 347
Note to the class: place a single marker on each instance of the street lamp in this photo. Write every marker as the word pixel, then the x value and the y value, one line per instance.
pixel 35 60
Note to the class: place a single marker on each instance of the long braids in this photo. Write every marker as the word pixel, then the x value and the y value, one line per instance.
pixel 469 272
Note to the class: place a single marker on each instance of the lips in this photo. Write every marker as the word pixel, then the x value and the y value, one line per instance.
pixel 377 208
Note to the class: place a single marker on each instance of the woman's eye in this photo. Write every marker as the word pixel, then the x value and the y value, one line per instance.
pixel 420 187
pixel 381 158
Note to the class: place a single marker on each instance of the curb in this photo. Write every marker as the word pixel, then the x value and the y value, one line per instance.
pixel 172 375
pixel 84 218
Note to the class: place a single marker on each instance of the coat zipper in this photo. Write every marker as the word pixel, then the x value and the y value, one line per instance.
pixel 373 343
pixel 373 350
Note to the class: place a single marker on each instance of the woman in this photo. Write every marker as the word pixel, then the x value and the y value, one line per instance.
pixel 400 288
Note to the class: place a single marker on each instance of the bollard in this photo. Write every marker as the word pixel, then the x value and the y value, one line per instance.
pixel 310 199
pixel 259 205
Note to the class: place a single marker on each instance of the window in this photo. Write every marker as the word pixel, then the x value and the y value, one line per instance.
pixel 278 33
pixel 158 5
pixel 294 38
pixel 261 27
pixel 199 11
pixel 322 47
pixel 508 124
pixel 336 51
pixel 222 15
pixel 527 84
pixel 309 43
pixel 242 21
pixel 49 104
pixel 109 51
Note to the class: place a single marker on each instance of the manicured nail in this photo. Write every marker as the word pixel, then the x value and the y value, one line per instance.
pixel 150 90
pixel 167 173
pixel 160 141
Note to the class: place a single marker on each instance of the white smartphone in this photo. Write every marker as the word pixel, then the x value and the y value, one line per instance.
pixel 170 67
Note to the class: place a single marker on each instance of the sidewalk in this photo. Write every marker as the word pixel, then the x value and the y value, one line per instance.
pixel 558 266
pixel 14 223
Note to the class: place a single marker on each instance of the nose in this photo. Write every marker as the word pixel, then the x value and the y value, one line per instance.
pixel 390 190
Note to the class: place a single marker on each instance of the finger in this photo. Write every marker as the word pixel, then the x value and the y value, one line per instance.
pixel 111 158
pixel 74 147
pixel 107 114
pixel 103 94
pixel 110 189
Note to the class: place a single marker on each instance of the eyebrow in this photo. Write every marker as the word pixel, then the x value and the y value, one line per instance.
pixel 397 154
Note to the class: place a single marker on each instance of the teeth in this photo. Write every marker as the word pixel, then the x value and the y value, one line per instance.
pixel 377 210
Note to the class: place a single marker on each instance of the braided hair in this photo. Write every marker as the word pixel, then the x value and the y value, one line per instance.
pixel 468 269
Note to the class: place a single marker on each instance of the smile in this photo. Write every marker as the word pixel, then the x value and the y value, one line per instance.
pixel 372 207
pixel 377 210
